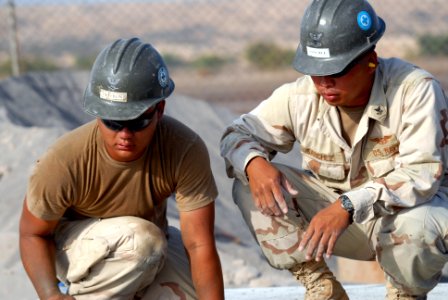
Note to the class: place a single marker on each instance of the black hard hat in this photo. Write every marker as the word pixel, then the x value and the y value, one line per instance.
pixel 334 33
pixel 127 78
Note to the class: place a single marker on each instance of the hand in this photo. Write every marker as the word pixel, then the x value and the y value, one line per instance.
pixel 267 185
pixel 324 230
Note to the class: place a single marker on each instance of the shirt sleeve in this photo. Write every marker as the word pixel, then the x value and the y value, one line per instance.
pixel 196 185
pixel 264 131
pixel 50 188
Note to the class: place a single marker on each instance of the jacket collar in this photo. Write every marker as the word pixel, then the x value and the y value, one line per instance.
pixel 377 106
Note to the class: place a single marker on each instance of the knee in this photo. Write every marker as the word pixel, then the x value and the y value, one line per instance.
pixel 403 228
pixel 135 240
pixel 422 225
pixel 149 240
pixel 411 248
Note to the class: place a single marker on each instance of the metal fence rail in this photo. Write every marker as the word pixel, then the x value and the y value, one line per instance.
pixel 210 45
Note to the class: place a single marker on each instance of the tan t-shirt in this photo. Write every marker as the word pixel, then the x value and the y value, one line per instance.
pixel 76 178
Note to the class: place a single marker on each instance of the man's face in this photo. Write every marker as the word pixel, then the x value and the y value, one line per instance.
pixel 126 144
pixel 352 87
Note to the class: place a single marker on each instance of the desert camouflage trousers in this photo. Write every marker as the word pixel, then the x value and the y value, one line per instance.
pixel 411 246
pixel 122 258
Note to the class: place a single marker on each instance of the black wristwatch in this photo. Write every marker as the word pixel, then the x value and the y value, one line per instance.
pixel 347 204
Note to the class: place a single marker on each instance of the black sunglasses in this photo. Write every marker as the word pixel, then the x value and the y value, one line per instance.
pixel 133 125
pixel 347 69
pixel 350 66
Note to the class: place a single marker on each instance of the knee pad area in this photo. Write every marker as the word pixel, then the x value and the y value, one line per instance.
pixel 149 240
pixel 132 238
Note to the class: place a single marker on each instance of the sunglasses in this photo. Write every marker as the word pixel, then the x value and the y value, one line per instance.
pixel 351 66
pixel 348 69
pixel 133 125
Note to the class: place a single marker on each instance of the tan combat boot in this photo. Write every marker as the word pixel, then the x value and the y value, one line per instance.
pixel 395 294
pixel 319 281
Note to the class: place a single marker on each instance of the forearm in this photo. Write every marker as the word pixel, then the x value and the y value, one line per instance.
pixel 207 273
pixel 37 254
pixel 198 238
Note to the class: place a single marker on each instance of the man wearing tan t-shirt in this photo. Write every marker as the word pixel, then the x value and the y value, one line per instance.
pixel 373 139
pixel 94 217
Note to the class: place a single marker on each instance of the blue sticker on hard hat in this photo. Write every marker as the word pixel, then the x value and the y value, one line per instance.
pixel 364 20
pixel 162 76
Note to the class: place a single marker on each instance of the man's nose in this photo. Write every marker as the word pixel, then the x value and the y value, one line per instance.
pixel 125 133
pixel 326 81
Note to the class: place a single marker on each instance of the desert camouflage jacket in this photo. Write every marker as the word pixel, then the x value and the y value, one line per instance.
pixel 398 157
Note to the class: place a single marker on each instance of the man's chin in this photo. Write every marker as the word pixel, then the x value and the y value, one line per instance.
pixel 126 155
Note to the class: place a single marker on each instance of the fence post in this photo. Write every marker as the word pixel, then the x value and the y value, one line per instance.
pixel 13 40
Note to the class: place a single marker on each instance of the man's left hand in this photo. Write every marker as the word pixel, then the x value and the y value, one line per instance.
pixel 324 230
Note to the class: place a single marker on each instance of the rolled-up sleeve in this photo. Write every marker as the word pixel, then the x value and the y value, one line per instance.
pixel 266 130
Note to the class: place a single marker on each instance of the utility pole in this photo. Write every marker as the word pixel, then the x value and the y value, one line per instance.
pixel 13 39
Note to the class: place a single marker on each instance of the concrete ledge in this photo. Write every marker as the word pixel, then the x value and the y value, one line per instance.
pixel 355 292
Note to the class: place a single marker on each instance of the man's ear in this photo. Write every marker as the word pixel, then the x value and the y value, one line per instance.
pixel 373 61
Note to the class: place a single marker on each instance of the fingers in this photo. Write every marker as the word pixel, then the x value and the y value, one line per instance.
pixel 266 183
pixel 311 242
pixel 322 247
pixel 318 243
pixel 331 244
pixel 267 205
pixel 288 187
pixel 306 236
pixel 270 208
pixel 270 201
pixel 315 243
pixel 282 207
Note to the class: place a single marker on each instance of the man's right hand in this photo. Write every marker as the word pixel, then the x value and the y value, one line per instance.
pixel 266 184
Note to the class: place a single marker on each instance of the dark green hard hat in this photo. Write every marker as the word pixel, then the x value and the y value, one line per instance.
pixel 127 78
pixel 334 33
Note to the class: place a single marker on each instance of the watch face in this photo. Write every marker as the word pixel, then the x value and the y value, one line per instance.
pixel 346 203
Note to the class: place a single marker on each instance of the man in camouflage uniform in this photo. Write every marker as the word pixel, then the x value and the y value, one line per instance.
pixel 95 213
pixel 373 139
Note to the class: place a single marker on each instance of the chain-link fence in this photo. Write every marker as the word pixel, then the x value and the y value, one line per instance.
pixel 217 50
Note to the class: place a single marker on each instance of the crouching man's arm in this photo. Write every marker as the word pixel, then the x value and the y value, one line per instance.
pixel 197 227
pixel 37 254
